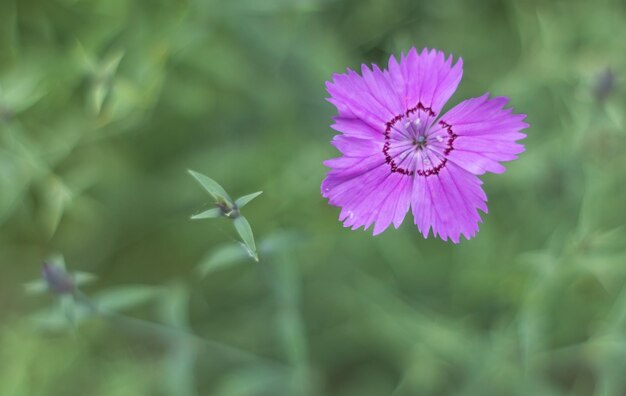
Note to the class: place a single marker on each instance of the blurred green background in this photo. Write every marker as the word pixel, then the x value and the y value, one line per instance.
pixel 105 104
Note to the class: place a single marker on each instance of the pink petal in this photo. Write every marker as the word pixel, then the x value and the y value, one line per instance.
pixel 370 99
pixel 427 78
pixel 356 147
pixel 448 203
pixel 487 134
pixel 356 128
pixel 374 196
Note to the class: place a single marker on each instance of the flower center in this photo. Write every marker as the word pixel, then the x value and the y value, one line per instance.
pixel 420 142
pixel 414 145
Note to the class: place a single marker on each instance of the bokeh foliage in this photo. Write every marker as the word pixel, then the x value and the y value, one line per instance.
pixel 104 105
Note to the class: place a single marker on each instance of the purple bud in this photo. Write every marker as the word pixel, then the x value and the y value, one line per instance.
pixel 604 85
pixel 57 279
pixel 229 210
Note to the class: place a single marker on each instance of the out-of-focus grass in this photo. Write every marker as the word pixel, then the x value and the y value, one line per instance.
pixel 105 104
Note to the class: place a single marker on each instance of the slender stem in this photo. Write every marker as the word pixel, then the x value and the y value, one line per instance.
pixel 167 333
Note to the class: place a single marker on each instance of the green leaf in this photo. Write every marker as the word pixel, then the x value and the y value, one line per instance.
pixel 51 319
pixel 20 90
pixel 56 197
pixel 126 297
pixel 103 75
pixel 35 287
pixel 110 63
pixel 217 192
pixel 243 201
pixel 208 214
pixel 223 257
pixel 97 95
pixel 83 278
pixel 245 232
pixel 55 318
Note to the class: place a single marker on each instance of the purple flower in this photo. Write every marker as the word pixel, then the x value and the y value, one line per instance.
pixel 57 278
pixel 398 152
